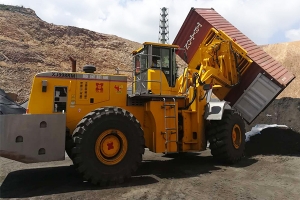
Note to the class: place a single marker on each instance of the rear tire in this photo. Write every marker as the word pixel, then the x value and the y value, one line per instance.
pixel 109 144
pixel 227 138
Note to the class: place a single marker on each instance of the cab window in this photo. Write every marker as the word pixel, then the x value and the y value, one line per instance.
pixel 141 61
pixel 165 58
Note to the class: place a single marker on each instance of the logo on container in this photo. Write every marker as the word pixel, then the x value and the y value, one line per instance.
pixel 192 36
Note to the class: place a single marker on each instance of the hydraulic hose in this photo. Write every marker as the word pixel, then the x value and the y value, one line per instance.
pixel 194 79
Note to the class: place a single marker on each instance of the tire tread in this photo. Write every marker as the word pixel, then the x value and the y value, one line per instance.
pixel 79 134
pixel 219 137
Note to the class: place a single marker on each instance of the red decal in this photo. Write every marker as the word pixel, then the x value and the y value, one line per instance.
pixel 110 146
pixel 118 88
pixel 99 87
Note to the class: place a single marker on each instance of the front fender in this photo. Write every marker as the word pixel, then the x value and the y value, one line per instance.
pixel 215 110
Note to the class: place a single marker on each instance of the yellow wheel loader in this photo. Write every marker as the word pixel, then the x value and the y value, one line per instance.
pixel 104 125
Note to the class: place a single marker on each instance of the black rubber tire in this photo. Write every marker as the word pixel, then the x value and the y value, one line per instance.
pixel 69 146
pixel 86 134
pixel 220 138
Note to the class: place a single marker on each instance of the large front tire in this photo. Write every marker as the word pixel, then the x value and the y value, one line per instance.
pixel 109 145
pixel 227 137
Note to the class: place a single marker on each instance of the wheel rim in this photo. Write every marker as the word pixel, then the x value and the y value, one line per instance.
pixel 111 147
pixel 236 136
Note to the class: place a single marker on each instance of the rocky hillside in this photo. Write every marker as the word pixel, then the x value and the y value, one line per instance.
pixel 29 45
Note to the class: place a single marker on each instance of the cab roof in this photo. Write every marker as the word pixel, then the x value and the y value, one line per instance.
pixel 161 45
pixel 154 44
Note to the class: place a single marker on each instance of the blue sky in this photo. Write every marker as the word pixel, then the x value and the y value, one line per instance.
pixel 263 21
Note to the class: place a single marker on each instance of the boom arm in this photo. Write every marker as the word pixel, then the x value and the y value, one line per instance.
pixel 219 61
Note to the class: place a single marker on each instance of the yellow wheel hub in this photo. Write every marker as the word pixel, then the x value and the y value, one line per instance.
pixel 111 147
pixel 236 136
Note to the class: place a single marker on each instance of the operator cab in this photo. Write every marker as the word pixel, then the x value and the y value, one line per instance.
pixel 159 78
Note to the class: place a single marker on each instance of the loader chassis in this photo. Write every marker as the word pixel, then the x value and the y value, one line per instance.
pixel 108 125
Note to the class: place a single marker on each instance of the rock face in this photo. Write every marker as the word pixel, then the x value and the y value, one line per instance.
pixel 29 45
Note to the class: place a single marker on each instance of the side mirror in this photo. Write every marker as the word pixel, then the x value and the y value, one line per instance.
pixel 207 87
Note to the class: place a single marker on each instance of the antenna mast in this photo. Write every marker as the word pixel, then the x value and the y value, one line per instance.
pixel 163 26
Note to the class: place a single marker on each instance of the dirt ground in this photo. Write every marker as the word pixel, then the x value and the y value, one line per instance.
pixel 268 171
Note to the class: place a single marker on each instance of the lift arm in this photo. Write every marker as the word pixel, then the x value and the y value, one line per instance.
pixel 219 61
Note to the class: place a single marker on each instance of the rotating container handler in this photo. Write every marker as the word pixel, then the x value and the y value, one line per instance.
pixel 104 125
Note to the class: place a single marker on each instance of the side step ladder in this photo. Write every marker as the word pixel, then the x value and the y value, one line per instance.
pixel 167 129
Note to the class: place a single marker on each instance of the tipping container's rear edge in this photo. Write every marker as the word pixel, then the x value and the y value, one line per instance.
pixel 265 78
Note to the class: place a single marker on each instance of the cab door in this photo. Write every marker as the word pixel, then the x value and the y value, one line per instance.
pixel 141 72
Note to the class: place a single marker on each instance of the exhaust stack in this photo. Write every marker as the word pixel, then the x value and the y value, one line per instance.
pixel 73 64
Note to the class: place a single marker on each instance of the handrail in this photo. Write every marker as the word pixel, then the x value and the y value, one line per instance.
pixel 140 81
pixel 119 70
